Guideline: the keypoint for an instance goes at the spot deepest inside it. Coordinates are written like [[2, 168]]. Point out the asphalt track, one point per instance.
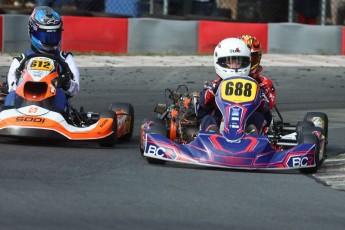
[[82, 186]]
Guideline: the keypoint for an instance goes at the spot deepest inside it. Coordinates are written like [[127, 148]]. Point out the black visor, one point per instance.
[[234, 62]]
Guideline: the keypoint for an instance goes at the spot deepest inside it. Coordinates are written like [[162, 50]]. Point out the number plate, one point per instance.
[[238, 90], [41, 64]]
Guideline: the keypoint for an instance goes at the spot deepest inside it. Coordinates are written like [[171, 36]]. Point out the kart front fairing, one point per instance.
[[212, 149], [237, 98]]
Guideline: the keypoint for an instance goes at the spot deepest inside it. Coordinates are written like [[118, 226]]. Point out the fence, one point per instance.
[[321, 12]]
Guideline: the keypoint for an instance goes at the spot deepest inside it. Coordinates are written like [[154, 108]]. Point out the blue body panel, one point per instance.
[[252, 152]]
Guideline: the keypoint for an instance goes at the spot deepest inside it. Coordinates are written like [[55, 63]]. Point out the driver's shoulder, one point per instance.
[[22, 56], [63, 54]]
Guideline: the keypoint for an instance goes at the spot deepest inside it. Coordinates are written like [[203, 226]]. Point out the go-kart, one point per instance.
[[283, 146], [35, 114]]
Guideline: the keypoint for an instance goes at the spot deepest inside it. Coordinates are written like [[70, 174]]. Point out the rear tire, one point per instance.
[[128, 109], [319, 119], [110, 140]]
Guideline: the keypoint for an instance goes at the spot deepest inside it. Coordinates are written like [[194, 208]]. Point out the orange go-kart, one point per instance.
[[34, 114]]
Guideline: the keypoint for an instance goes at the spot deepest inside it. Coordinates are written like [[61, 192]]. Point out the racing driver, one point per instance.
[[243, 61], [45, 31]]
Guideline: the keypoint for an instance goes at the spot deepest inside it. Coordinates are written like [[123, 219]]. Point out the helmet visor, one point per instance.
[[234, 62], [48, 38]]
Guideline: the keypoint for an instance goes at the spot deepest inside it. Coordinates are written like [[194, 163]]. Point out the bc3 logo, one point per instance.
[[154, 150], [298, 161]]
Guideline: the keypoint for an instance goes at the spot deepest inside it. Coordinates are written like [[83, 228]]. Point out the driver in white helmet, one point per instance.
[[232, 57], [45, 32]]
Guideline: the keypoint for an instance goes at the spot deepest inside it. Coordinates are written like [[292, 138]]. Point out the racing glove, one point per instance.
[[207, 97], [269, 91], [63, 81]]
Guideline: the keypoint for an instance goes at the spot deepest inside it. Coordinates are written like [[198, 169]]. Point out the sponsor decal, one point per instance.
[[160, 151], [30, 119], [155, 150], [103, 123], [299, 161], [235, 117], [235, 111], [237, 50], [52, 21], [32, 110]]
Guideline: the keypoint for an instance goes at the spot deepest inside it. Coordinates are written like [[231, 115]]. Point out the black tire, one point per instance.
[[303, 124], [128, 108], [159, 128], [310, 139], [110, 140], [310, 115], [311, 130], [324, 126]]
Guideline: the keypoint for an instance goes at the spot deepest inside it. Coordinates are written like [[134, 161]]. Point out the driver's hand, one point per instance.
[[63, 82]]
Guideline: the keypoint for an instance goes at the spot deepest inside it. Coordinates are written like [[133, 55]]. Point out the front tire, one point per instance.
[[308, 138], [320, 120]]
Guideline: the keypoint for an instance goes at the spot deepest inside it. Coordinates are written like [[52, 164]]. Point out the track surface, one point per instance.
[[83, 186]]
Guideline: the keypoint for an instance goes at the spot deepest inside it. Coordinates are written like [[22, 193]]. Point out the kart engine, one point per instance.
[[181, 120]]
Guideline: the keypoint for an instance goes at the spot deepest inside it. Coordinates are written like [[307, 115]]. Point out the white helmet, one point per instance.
[[232, 50]]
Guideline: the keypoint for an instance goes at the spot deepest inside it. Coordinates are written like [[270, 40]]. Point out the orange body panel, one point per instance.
[[38, 87], [37, 95], [103, 129], [173, 126]]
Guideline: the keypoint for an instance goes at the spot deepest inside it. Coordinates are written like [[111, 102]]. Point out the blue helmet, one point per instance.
[[45, 29]]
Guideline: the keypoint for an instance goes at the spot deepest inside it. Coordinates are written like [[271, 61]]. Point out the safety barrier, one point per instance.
[[88, 34], [210, 33], [161, 36]]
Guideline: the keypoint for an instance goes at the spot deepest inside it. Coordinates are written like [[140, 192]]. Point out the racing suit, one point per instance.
[[61, 94], [261, 118]]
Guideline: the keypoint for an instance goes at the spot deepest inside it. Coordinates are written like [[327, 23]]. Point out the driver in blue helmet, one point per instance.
[[45, 32]]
